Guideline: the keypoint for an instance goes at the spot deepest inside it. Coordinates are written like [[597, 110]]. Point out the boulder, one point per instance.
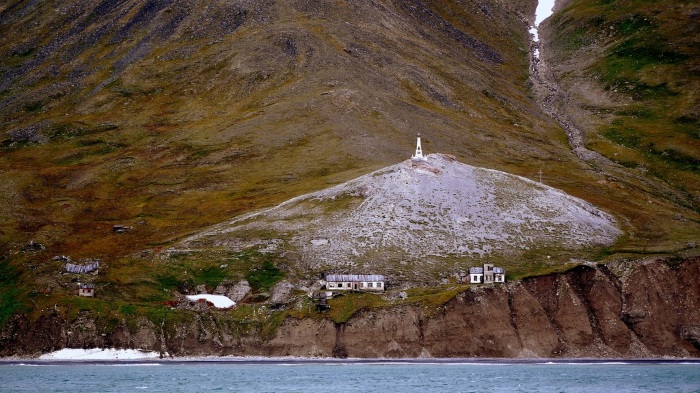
[[281, 292], [238, 291], [32, 247]]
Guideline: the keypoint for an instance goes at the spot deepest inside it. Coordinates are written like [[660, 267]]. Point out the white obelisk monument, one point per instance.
[[419, 151]]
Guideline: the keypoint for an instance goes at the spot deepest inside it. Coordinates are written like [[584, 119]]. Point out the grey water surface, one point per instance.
[[349, 376]]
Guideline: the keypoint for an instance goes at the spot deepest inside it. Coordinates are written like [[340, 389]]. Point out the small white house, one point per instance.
[[487, 274], [86, 290], [355, 282]]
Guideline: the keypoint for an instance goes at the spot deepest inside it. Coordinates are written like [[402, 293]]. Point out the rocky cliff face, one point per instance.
[[624, 309], [645, 309]]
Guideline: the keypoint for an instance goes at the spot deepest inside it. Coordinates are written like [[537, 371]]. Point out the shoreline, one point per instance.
[[359, 361]]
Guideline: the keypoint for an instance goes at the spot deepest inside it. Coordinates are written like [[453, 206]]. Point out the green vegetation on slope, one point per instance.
[[645, 55], [264, 277], [11, 291]]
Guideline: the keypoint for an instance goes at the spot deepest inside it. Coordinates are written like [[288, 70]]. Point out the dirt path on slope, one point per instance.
[[554, 101]]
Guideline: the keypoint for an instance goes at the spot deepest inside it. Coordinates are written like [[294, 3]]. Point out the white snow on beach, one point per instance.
[[99, 354], [219, 301]]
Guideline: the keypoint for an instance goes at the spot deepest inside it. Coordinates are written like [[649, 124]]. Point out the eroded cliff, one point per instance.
[[623, 309], [628, 309]]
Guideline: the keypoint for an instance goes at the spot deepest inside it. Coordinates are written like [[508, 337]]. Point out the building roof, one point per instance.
[[79, 269], [480, 270], [86, 286], [354, 277]]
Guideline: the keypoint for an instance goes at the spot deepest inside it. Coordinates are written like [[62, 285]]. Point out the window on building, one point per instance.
[[379, 285], [340, 285], [370, 285]]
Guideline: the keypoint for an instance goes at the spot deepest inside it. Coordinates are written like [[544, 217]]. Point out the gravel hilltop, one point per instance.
[[420, 211]]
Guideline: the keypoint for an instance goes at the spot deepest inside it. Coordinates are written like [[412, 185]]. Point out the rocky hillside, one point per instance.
[[171, 117], [417, 219], [621, 78]]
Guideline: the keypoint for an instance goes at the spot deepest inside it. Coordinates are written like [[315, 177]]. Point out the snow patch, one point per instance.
[[219, 301], [319, 242], [533, 31], [99, 354], [544, 11]]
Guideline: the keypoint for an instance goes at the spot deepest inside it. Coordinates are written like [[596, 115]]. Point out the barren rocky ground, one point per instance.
[[424, 215]]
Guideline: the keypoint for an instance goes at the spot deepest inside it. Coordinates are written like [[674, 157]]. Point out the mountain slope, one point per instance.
[[627, 76], [166, 118], [170, 117], [178, 116]]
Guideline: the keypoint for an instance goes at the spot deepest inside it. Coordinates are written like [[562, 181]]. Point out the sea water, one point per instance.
[[349, 376]]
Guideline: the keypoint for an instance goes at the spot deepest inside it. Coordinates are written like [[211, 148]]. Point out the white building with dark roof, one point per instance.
[[355, 282], [86, 290], [487, 274]]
